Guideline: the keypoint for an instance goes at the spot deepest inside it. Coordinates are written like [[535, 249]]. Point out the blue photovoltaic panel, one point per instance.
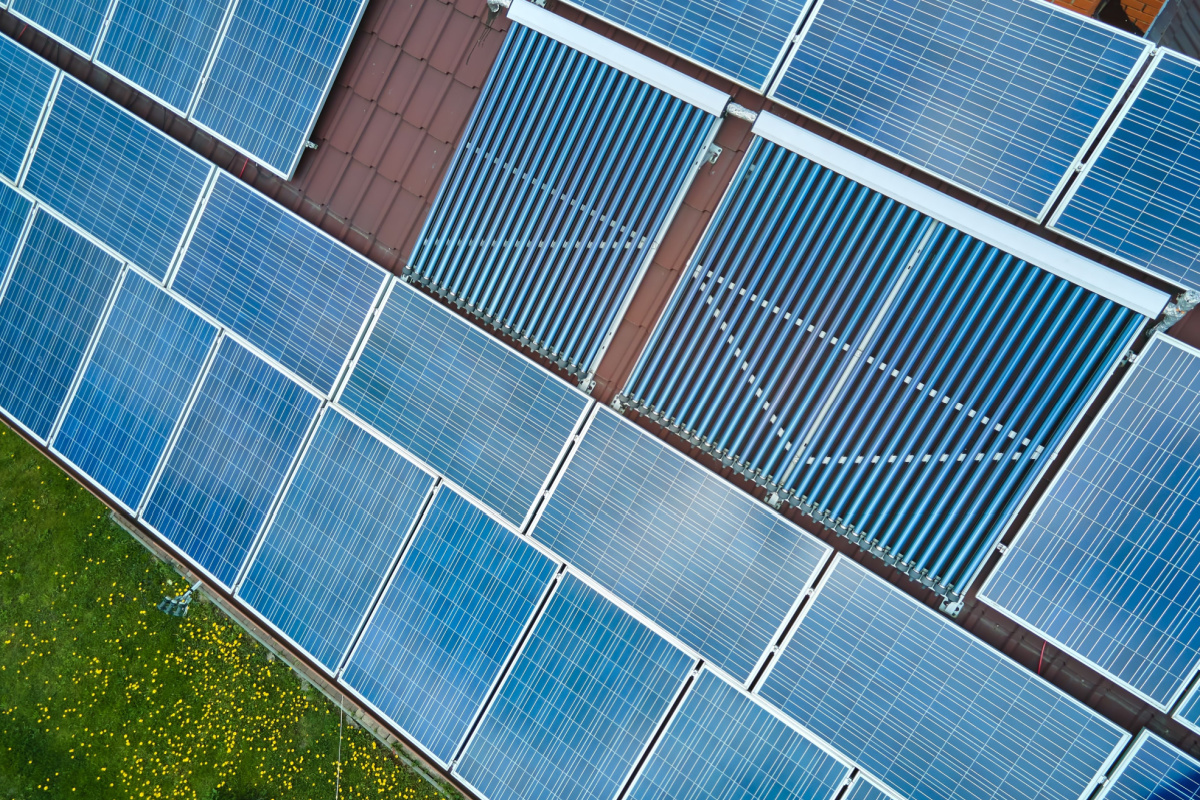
[[273, 69], [55, 297], [741, 39], [579, 705], [1189, 710], [926, 707], [14, 212], [1154, 770], [129, 185], [707, 562], [721, 744], [1108, 566], [447, 623], [478, 412], [237, 444], [147, 359], [1138, 198], [338, 531], [24, 84], [76, 22], [865, 790], [287, 287], [161, 45], [998, 96]]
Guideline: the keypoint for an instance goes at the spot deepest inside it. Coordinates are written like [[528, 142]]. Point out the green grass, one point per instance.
[[101, 696]]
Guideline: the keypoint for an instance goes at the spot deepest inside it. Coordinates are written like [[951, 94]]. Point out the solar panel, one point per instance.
[[998, 97], [1137, 197], [700, 558], [161, 46], [25, 82], [14, 214], [273, 69], [1154, 770], [863, 789], [287, 287], [57, 291], [588, 690], [129, 185], [741, 40], [1189, 709], [237, 444], [339, 529], [447, 623], [721, 743], [1108, 565], [75, 23], [928, 708], [479, 413], [146, 362]]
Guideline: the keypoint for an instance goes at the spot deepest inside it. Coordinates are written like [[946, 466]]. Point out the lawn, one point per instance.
[[103, 696]]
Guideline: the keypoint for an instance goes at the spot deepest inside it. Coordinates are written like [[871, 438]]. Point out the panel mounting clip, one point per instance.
[[310, 145], [713, 153], [951, 608]]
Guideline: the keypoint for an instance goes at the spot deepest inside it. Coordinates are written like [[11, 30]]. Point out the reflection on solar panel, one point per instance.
[[129, 185], [565, 180], [921, 439], [721, 744], [1108, 566], [76, 23], [273, 68], [742, 40], [24, 84], [999, 97], [147, 359], [59, 286], [1137, 197], [1189, 709], [447, 623], [14, 213], [579, 705], [862, 789], [477, 412], [705, 561], [288, 288], [1154, 770], [339, 529], [926, 707], [161, 45], [237, 444]]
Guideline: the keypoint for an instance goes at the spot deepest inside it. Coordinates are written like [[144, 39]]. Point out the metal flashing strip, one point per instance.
[[1022, 244], [628, 61]]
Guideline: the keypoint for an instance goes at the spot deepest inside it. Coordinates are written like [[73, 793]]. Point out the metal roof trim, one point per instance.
[[631, 62], [1081, 271]]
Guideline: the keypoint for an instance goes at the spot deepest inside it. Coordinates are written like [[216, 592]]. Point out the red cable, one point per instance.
[[244, 163], [1040, 658]]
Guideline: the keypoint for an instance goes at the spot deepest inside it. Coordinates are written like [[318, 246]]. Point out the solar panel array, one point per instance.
[[1108, 566], [345, 515], [578, 707], [999, 97], [1137, 198], [254, 73], [126, 183], [235, 448], [721, 743], [55, 295], [25, 82], [897, 378], [286, 287], [15, 209], [741, 40], [449, 620], [562, 186], [1154, 770], [926, 707], [704, 561], [147, 360], [476, 411]]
